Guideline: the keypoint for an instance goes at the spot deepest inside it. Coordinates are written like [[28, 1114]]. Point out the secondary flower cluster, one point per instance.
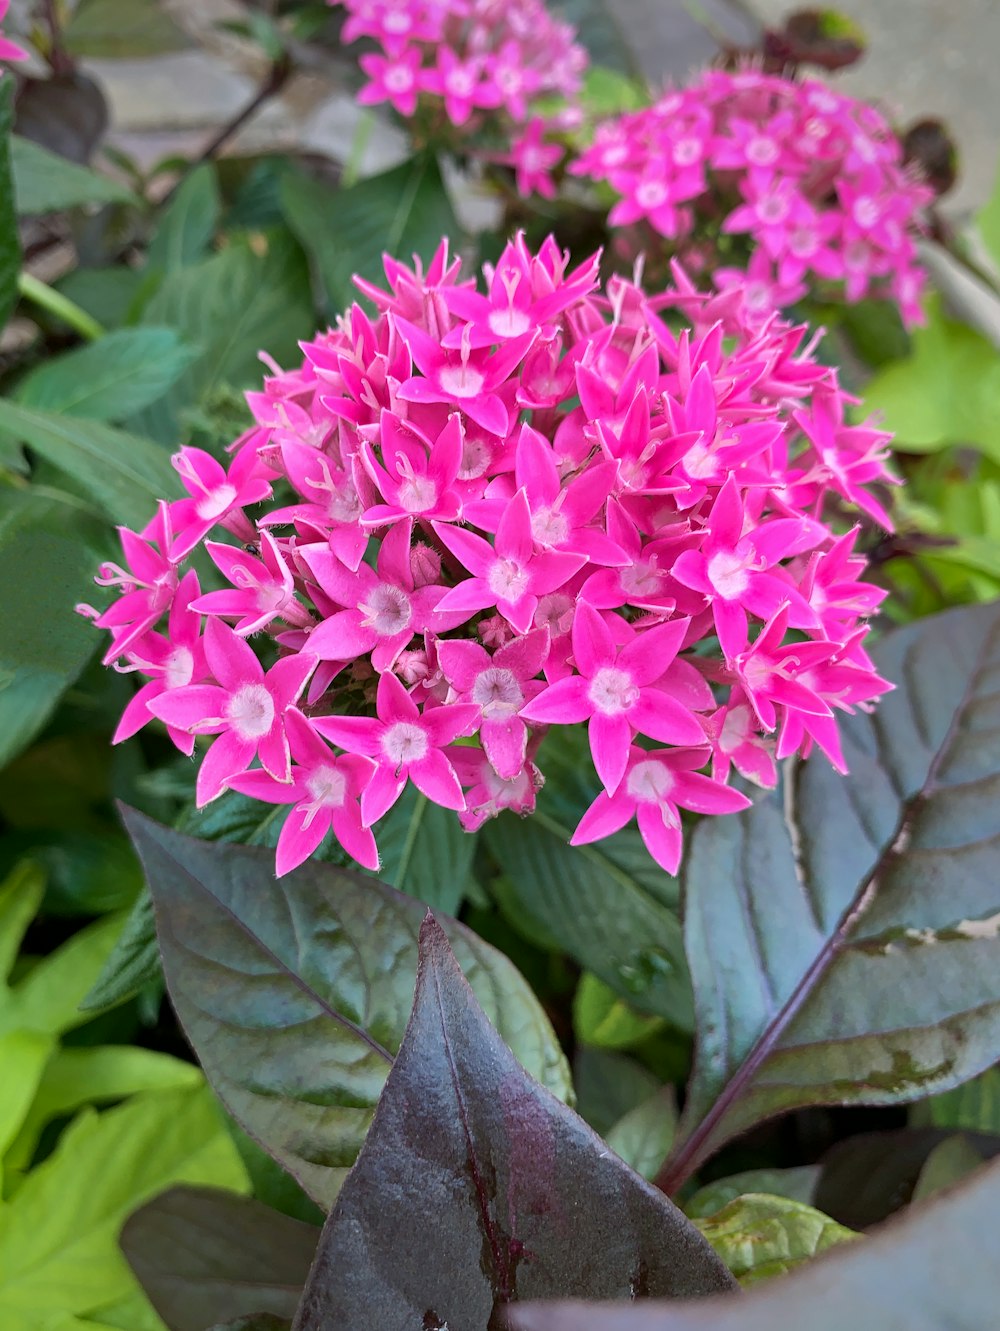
[[9, 50], [479, 514], [814, 178], [472, 63]]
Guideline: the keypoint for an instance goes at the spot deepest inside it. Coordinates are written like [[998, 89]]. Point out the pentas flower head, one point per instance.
[[518, 508], [475, 71], [814, 179]]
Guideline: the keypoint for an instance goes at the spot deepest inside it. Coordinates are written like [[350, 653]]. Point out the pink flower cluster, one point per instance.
[[481, 513], [472, 61], [814, 178], [9, 50]]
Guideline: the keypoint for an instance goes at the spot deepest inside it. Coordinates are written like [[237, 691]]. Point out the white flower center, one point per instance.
[[612, 691], [404, 743], [507, 580], [727, 572], [417, 493], [509, 321], [650, 782], [762, 151], [216, 502], [865, 211], [687, 151], [250, 711], [476, 458], [179, 668], [388, 610], [460, 82], [651, 193], [549, 527], [327, 787], [640, 579], [700, 462], [399, 78], [461, 381], [555, 613], [497, 692]]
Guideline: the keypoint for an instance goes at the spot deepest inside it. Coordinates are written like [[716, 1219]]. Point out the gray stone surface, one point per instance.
[[929, 57]]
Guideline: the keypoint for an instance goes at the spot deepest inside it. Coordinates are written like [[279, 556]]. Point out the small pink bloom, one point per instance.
[[394, 79], [217, 497], [498, 686], [263, 589], [508, 574], [615, 690], [405, 744], [324, 792], [487, 793], [245, 708], [657, 784], [172, 662], [9, 50]]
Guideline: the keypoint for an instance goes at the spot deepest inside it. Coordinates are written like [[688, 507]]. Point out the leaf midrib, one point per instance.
[[281, 966], [681, 1163]]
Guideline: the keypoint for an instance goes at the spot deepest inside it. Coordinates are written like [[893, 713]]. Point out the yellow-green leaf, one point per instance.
[[758, 1236]]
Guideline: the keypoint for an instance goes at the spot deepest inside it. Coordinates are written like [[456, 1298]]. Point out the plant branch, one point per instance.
[[47, 298], [272, 85]]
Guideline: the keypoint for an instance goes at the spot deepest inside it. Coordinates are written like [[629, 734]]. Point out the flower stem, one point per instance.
[[47, 298]]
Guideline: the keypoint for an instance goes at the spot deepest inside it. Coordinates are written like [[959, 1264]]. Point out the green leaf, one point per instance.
[[106, 294], [988, 223], [401, 212], [643, 1136], [47, 998], [23, 1055], [844, 933], [601, 1018], [934, 1269], [952, 1160], [46, 558], [424, 852], [111, 378], [132, 963], [295, 992], [10, 243], [57, 1235], [946, 392], [596, 902], [21, 894], [974, 1106], [74, 1078], [116, 29], [608, 1086], [758, 1236], [230, 306], [44, 182], [797, 1184], [189, 221], [122, 473], [609, 92]]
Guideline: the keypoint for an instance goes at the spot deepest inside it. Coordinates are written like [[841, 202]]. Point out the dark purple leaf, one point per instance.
[[865, 1178], [476, 1188], [295, 992], [935, 1269], [844, 933], [203, 1255], [66, 114]]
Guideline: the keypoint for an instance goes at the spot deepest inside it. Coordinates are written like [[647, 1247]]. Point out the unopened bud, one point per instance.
[[425, 565]]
